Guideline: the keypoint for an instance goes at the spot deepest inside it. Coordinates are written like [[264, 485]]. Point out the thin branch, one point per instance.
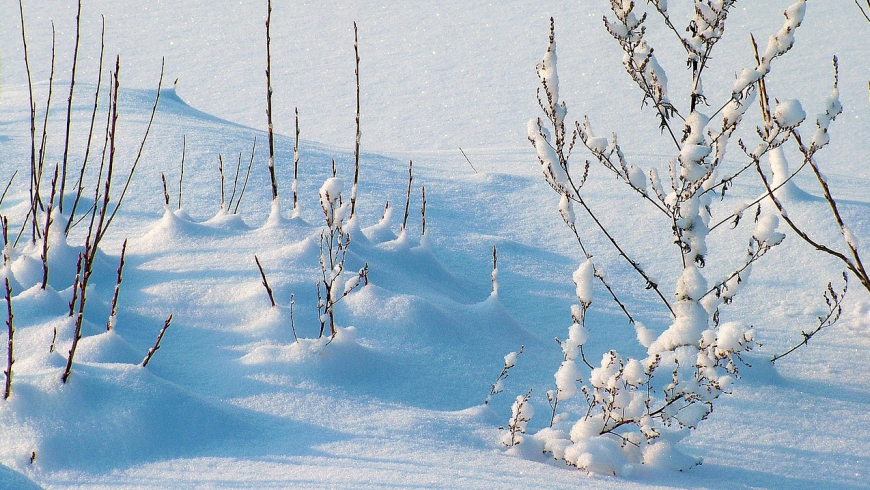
[[835, 308], [181, 175], [154, 349], [80, 184], [72, 85], [10, 357], [248, 174], [358, 134], [296, 165], [408, 193], [467, 160], [265, 282], [113, 316], [269, 103], [141, 147]]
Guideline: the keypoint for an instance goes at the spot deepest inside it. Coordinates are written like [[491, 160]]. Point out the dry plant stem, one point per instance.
[[83, 286], [296, 164], [408, 193], [598, 274], [248, 174], [5, 224], [235, 182], [269, 104], [8, 185], [72, 85], [358, 134], [292, 320], [855, 267], [80, 185], [40, 164], [10, 328], [221, 171], [154, 349], [423, 212], [75, 289], [181, 175], [48, 222], [141, 146], [494, 388], [467, 160], [33, 182], [650, 284], [101, 212], [265, 282], [864, 12], [165, 190], [320, 306], [835, 308], [494, 270], [113, 315]]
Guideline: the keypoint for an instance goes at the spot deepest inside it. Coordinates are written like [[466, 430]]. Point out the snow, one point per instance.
[[233, 400]]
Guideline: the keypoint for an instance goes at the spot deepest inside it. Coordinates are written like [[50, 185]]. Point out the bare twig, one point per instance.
[[408, 193], [154, 349], [181, 175], [296, 166], [80, 185], [8, 185], [48, 221], [221, 171], [10, 357], [467, 160], [165, 189], [494, 274], [497, 386], [141, 146], [423, 212], [113, 315], [235, 182], [292, 320], [265, 282], [835, 308], [269, 103], [34, 196], [72, 85], [9, 324], [864, 12], [358, 134], [248, 174]]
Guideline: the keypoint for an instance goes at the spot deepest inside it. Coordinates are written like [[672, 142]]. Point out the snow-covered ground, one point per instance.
[[396, 399]]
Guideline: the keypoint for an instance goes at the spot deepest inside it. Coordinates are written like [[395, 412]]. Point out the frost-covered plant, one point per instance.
[[636, 408], [521, 413], [510, 360], [787, 118], [334, 241]]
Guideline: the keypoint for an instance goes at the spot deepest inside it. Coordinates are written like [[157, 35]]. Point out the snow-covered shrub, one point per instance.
[[638, 408], [334, 242]]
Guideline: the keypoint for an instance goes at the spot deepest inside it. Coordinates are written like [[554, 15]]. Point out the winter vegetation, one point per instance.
[[368, 298]]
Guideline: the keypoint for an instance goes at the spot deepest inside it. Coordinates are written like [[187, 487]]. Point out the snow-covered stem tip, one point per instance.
[[510, 361], [521, 413]]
